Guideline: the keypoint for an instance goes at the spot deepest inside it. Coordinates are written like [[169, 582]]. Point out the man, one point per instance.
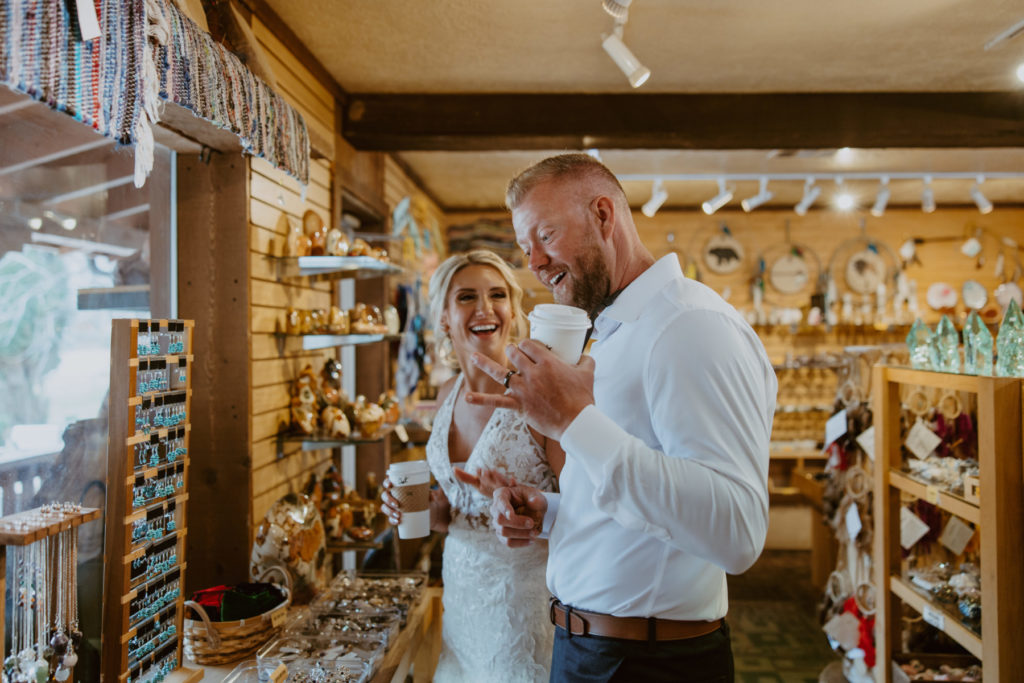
[[665, 428]]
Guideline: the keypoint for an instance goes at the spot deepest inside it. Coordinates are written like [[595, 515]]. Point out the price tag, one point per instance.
[[853, 523], [934, 617], [279, 674], [931, 494], [835, 427], [956, 535], [912, 529], [921, 441], [844, 629], [278, 618], [866, 441], [88, 21]]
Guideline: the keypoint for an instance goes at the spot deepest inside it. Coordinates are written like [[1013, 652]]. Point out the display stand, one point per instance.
[[147, 451], [999, 517]]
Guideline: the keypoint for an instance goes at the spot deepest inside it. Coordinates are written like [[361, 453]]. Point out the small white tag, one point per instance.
[[835, 427], [922, 441], [402, 435], [912, 529], [956, 535], [88, 22], [844, 629], [853, 523], [278, 618], [922, 583], [866, 440], [898, 674], [934, 617]]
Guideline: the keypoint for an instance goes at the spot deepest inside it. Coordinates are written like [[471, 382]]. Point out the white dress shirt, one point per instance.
[[664, 488]]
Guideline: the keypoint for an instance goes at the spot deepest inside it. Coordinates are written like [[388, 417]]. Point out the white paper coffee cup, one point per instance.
[[411, 488], [562, 329]]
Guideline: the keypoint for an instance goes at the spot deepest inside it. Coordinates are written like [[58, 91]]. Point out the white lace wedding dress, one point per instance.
[[496, 625]]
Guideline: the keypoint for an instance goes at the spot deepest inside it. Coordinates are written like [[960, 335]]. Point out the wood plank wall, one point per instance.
[[275, 202]]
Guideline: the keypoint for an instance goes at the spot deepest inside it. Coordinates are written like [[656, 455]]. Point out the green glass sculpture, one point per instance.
[[944, 347], [1010, 343], [918, 343], [977, 346]]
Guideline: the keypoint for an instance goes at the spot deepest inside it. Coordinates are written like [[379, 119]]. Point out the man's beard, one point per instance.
[[594, 284]]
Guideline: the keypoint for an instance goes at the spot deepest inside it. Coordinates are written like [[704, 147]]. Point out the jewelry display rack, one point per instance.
[[147, 449], [27, 528], [997, 513]]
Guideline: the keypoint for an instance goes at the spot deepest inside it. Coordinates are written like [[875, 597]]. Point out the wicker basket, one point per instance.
[[220, 642]]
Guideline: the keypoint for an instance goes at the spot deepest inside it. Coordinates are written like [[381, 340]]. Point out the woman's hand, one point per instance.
[[485, 481], [440, 509]]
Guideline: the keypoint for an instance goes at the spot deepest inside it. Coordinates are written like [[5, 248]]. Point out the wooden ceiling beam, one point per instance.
[[666, 121]]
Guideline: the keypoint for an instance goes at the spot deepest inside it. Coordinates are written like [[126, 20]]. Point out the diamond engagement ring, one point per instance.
[[508, 377]]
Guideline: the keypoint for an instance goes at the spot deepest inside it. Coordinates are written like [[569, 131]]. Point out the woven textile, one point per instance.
[[98, 82], [199, 74], [147, 52]]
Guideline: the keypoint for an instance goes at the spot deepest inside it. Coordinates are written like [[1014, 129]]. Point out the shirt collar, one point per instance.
[[633, 299]]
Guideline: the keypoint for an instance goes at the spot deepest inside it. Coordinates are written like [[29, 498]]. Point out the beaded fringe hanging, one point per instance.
[[147, 52]]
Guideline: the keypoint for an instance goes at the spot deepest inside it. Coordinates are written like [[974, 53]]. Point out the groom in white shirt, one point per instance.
[[665, 427]]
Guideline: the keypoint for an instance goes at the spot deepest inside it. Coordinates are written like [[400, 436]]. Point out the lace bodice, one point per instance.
[[505, 444], [496, 625]]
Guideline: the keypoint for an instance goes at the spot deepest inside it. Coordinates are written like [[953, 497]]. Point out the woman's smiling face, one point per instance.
[[478, 311]]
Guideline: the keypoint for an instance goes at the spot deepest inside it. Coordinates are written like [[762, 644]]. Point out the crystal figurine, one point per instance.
[[977, 346], [918, 343], [1010, 343], [944, 347]]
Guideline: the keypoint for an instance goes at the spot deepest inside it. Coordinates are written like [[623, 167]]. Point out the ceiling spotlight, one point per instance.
[[927, 196], [658, 197], [811, 192], [845, 201], [68, 223], [723, 197], [763, 195], [1020, 72], [35, 222], [617, 8], [65, 221], [636, 72], [980, 200], [882, 198], [594, 153], [844, 155]]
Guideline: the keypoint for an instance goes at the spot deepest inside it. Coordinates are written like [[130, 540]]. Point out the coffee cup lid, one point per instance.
[[568, 316], [409, 467]]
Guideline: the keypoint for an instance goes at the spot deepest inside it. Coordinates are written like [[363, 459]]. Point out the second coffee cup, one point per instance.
[[563, 329]]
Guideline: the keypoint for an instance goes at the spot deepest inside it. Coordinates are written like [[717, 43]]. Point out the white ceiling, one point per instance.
[[691, 46]]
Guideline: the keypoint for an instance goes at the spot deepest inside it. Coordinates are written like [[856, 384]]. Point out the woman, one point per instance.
[[496, 624]]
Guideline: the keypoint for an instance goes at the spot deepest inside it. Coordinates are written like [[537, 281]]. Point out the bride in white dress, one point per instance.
[[496, 625]]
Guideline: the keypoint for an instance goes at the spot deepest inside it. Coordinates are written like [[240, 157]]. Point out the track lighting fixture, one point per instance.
[[844, 201], [35, 223], [658, 197], [882, 198], [617, 8], [927, 196], [811, 192], [762, 196], [66, 222], [636, 72], [723, 197], [980, 200]]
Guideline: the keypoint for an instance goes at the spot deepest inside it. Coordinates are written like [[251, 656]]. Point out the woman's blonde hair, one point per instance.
[[441, 282]]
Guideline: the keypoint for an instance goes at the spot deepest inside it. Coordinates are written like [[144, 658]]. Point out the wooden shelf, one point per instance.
[[937, 615], [998, 519], [125, 297], [309, 442], [340, 266], [946, 500], [311, 342], [37, 528]]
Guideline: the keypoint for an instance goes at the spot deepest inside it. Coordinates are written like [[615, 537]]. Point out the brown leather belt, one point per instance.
[[582, 623]]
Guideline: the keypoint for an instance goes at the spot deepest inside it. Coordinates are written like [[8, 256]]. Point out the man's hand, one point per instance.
[[486, 481], [517, 513], [549, 392]]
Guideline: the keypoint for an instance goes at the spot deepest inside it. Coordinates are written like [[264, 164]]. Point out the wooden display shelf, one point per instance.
[[999, 517], [312, 342], [312, 442], [936, 615], [948, 501], [340, 266], [37, 529]]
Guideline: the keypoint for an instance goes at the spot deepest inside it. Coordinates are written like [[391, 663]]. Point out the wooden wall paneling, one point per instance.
[[213, 289], [361, 174]]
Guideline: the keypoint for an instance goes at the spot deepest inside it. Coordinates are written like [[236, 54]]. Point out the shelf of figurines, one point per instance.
[[311, 342], [359, 267], [944, 617], [320, 440]]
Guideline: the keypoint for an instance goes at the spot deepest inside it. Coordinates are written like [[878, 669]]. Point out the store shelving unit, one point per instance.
[[339, 266], [312, 442], [311, 342], [147, 470], [999, 517]]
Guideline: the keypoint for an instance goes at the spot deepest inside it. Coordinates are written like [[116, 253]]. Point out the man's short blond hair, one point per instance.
[[564, 167]]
